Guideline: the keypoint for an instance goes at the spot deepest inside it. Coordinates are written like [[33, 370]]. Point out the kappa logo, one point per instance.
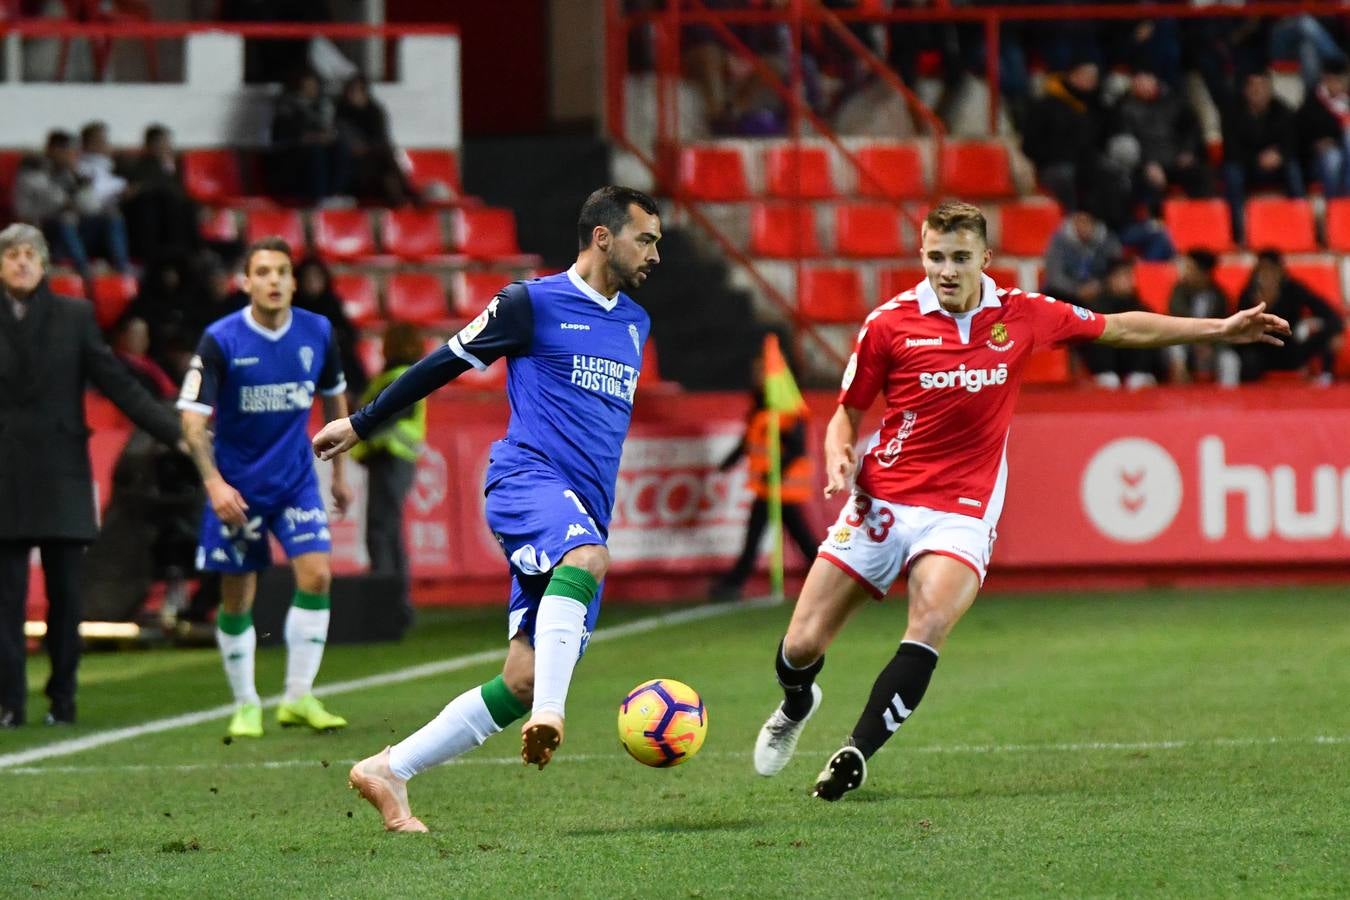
[[576, 529], [923, 342], [219, 555], [574, 326], [241, 360]]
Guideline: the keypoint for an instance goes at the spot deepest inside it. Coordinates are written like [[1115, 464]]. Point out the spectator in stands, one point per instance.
[[1159, 140], [1066, 137], [313, 160], [50, 193], [1304, 38], [364, 124], [1323, 125], [130, 342], [1260, 145], [390, 456], [161, 217], [1196, 295], [96, 166], [314, 292], [1317, 325], [1080, 252], [1112, 367]]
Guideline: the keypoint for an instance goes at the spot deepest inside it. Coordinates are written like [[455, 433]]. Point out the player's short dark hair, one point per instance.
[[608, 206], [955, 215], [1271, 256], [154, 132], [268, 243], [90, 130], [1204, 260]]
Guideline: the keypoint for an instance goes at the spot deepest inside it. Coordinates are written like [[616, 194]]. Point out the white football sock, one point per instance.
[[558, 627], [463, 725], [306, 633], [237, 652]]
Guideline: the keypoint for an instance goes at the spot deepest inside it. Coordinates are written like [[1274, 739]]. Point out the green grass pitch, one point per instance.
[[1113, 744]]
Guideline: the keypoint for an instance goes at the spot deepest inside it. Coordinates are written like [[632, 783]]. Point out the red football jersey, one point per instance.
[[950, 383]]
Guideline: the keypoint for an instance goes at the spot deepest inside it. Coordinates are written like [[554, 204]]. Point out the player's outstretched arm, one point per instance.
[[1145, 329], [228, 504], [840, 460], [335, 409], [335, 438]]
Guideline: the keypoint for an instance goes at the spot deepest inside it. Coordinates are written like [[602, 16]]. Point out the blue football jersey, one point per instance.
[[573, 358], [260, 385]]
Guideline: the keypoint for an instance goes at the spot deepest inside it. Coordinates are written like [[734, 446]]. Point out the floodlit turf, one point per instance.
[[1108, 745]]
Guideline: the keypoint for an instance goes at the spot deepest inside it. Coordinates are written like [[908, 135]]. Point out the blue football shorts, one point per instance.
[[537, 519], [300, 525]]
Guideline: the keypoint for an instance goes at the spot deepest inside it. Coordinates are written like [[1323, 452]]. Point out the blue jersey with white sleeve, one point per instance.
[[573, 358], [260, 385]]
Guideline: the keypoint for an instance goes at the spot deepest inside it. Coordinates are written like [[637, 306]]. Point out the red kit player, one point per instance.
[[948, 357]]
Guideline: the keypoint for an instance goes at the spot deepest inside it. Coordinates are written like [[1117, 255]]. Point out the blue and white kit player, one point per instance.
[[256, 373], [573, 345]]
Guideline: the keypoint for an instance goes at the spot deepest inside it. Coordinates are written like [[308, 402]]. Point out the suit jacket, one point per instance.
[[46, 361]]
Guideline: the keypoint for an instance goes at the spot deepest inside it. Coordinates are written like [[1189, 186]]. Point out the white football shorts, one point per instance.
[[875, 542]]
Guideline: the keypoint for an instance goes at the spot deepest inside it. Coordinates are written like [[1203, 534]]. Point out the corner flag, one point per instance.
[[780, 396]]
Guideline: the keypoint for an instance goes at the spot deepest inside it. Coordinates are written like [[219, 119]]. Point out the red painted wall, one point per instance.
[[504, 48]]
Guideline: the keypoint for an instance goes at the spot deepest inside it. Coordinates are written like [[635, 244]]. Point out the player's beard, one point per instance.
[[626, 277]]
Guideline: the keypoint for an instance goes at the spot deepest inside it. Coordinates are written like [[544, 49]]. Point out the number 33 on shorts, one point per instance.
[[874, 541]]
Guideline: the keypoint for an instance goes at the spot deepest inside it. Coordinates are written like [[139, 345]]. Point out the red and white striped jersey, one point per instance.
[[950, 383]]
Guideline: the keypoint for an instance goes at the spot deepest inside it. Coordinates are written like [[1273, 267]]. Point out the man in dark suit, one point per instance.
[[50, 348]]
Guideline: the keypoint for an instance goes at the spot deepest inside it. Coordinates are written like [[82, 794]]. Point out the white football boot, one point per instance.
[[778, 738]]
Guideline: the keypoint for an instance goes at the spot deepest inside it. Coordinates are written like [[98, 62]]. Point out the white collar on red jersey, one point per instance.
[[928, 300]]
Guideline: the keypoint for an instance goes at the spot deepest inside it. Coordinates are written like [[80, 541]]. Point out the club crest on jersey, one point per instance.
[[637, 341], [307, 357], [998, 338], [842, 535]]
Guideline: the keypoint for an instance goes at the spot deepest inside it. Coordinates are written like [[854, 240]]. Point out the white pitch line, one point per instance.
[[426, 670], [1093, 746]]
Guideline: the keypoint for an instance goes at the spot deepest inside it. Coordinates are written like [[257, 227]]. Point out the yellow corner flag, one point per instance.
[[780, 391], [780, 396]]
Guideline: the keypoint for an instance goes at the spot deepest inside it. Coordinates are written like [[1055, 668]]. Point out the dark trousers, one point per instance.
[[389, 479], [794, 522], [61, 573]]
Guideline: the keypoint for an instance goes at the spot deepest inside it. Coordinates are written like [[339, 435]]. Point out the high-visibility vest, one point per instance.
[[797, 473], [403, 436]]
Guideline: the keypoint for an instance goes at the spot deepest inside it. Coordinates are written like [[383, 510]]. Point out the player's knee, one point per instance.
[[594, 558], [931, 619], [802, 645]]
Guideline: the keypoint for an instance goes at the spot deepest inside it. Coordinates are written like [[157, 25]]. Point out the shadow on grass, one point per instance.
[[672, 826]]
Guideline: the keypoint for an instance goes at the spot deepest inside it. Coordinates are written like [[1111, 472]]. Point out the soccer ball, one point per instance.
[[662, 722]]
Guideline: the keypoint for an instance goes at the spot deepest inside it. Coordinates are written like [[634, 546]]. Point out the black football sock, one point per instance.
[[895, 694], [796, 685]]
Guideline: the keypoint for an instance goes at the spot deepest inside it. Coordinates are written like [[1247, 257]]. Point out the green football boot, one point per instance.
[[247, 721], [308, 711]]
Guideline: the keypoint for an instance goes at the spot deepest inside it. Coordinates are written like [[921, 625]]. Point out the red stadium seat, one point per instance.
[[867, 230], [784, 231], [413, 234], [417, 297], [283, 223], [212, 176], [112, 295], [360, 298], [1232, 277], [220, 225], [1280, 223], [101, 414], [832, 295], [342, 234], [712, 173], [435, 174], [486, 232], [1338, 226], [1198, 224], [473, 291], [898, 279], [370, 352], [798, 173], [9, 169], [494, 379], [1322, 277], [1026, 226], [1154, 281], [977, 169], [1048, 366], [1004, 276], [891, 172], [66, 284]]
